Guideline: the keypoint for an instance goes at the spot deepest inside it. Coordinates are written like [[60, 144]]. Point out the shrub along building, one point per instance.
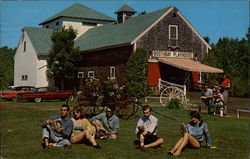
[[174, 47]]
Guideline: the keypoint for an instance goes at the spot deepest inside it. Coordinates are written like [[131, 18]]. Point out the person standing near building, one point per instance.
[[207, 97], [147, 130], [225, 84]]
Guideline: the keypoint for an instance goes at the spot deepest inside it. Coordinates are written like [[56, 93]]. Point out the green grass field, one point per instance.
[[21, 136]]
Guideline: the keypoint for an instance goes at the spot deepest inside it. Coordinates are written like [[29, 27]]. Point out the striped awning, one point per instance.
[[189, 65]]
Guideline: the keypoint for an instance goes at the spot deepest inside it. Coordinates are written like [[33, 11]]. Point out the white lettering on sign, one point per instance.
[[162, 53]]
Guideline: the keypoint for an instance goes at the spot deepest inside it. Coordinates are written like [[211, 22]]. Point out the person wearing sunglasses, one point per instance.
[[107, 124]]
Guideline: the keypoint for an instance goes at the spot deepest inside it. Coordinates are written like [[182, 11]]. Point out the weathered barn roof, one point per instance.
[[79, 11], [106, 36], [40, 39], [110, 35], [113, 35], [125, 8]]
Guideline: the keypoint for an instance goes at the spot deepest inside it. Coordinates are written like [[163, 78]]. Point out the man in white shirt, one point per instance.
[[146, 130]]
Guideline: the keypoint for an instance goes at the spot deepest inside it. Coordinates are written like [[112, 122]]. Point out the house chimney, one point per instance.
[[124, 13]]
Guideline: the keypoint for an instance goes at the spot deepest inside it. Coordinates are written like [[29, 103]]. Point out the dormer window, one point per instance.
[[173, 32]]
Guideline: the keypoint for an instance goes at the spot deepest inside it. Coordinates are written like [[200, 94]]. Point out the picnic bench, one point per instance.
[[241, 110]]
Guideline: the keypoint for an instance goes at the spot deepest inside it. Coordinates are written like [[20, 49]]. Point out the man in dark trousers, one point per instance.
[[207, 98], [147, 130]]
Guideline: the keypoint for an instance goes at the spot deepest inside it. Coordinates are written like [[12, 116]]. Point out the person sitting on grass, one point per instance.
[[193, 134], [107, 124], [218, 100], [82, 129], [57, 129], [147, 129]]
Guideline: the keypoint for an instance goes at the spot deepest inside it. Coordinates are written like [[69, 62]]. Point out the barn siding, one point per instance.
[[100, 62], [157, 38]]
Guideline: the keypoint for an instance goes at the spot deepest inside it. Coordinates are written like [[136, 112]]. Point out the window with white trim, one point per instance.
[[24, 46], [91, 74], [24, 77], [112, 72], [80, 75], [173, 32]]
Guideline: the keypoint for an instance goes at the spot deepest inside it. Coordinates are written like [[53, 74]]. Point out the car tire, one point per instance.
[[14, 99], [71, 98], [38, 100]]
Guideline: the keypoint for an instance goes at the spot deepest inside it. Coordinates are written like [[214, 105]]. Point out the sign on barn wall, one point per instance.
[[162, 53]]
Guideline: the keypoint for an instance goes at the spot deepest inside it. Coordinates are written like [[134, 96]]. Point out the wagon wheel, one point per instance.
[[71, 97], [98, 107], [170, 93], [87, 110], [84, 103], [125, 106], [137, 105]]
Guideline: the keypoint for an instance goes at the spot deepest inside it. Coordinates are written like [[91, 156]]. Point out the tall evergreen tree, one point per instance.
[[6, 67], [233, 56], [63, 57], [136, 75]]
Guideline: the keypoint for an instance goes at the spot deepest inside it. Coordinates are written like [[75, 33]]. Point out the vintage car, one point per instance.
[[47, 93], [11, 93]]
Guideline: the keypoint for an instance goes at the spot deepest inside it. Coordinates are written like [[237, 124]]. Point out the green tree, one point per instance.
[[6, 66], [136, 74], [233, 56], [63, 57]]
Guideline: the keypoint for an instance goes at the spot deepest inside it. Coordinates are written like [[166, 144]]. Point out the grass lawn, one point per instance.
[[21, 136]]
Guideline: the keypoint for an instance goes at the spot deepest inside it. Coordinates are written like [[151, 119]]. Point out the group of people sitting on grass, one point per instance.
[[106, 126]]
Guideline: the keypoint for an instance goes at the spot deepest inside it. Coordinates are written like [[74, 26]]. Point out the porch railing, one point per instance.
[[163, 84]]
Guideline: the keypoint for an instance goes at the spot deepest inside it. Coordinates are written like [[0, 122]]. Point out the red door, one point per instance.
[[153, 74]]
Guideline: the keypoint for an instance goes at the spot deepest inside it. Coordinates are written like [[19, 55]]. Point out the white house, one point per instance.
[[30, 60]]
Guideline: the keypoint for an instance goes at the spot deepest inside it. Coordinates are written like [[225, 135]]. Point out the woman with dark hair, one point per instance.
[[82, 129], [193, 134]]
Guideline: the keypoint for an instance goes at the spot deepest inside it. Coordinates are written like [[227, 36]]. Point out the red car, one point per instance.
[[47, 93], [11, 92]]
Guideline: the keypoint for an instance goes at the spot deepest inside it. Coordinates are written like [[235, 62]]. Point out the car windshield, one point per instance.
[[34, 89], [41, 89]]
